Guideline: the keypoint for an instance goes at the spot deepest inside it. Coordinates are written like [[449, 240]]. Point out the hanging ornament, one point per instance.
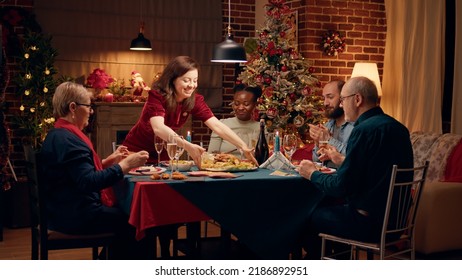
[[28, 76], [272, 112], [299, 121], [45, 89], [34, 48], [32, 110], [21, 108], [26, 56], [47, 71], [26, 92]]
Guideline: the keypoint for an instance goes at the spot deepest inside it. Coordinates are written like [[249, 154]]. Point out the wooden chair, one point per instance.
[[397, 235], [43, 239]]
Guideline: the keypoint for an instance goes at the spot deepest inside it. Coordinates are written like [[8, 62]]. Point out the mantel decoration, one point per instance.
[[291, 96], [332, 43], [109, 89]]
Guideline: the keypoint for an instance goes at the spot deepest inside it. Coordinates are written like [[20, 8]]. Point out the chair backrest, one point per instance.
[[403, 199], [30, 155]]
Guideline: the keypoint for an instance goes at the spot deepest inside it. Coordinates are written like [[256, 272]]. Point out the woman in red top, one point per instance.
[[170, 102]]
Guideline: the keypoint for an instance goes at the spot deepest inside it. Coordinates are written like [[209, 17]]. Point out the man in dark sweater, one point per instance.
[[377, 142]]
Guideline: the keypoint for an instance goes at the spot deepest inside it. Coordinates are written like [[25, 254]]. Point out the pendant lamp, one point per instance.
[[229, 51], [140, 43]]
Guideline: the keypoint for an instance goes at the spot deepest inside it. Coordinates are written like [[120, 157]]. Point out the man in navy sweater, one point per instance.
[[376, 143]]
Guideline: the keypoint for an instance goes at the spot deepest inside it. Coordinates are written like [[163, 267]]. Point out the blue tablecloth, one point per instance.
[[266, 213]]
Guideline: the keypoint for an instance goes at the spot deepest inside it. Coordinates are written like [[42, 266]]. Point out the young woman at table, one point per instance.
[[170, 102], [244, 103], [74, 175]]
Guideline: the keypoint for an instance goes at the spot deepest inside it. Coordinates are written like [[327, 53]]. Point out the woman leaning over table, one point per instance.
[[170, 102], [74, 175]]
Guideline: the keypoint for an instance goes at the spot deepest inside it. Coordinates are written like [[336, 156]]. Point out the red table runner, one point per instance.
[[156, 204]]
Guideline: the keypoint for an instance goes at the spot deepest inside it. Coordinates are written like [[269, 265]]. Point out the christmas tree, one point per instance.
[[291, 93], [36, 86]]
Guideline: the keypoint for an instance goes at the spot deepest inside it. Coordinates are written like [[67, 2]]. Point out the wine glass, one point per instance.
[[171, 150], [323, 141], [179, 140], [159, 145], [270, 141], [289, 144], [245, 137]]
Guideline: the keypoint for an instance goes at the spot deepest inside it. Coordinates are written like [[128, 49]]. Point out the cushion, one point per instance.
[[453, 172], [439, 154]]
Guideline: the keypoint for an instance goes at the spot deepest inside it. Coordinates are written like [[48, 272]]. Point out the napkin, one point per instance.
[[277, 161]]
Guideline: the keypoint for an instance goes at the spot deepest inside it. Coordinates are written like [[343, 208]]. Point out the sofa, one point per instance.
[[439, 216]]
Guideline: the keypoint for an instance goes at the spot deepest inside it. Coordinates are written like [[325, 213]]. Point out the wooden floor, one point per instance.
[[16, 245]]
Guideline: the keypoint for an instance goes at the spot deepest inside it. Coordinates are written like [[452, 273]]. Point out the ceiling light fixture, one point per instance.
[[229, 51], [140, 43]]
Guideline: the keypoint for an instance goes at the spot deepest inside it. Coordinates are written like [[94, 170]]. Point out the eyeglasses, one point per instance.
[[90, 106], [345, 97]]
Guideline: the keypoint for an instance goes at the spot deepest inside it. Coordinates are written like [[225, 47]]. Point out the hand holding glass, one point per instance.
[[323, 141]]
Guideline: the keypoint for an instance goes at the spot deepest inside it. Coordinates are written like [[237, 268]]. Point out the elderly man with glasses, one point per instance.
[[376, 143]]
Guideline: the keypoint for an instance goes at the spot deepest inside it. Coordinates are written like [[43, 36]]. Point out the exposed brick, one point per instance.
[[355, 20], [370, 50], [354, 49], [361, 27], [362, 13], [339, 19], [338, 63], [362, 42], [330, 11], [370, 35], [363, 57]]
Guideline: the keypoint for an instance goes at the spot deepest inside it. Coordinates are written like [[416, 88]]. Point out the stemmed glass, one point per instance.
[[270, 140], [171, 150], [159, 145], [323, 141], [179, 148], [290, 145]]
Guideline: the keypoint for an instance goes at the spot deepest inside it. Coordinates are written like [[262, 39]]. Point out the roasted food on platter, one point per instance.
[[224, 162]]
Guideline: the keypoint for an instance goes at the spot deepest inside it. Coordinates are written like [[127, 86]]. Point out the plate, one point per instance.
[[327, 170], [146, 170], [231, 169]]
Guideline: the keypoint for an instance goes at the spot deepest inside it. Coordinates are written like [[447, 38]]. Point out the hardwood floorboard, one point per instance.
[[16, 245]]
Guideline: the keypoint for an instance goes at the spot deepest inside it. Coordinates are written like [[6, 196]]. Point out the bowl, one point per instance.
[[184, 165]]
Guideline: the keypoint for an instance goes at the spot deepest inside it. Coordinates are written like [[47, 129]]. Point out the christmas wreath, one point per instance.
[[332, 43]]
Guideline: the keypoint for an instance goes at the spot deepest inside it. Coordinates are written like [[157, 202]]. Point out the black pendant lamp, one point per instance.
[[140, 43], [229, 51]]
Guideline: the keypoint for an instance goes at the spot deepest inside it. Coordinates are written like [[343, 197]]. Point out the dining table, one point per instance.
[[267, 213]]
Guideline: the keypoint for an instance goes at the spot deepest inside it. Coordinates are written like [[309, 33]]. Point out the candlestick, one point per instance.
[[276, 142]]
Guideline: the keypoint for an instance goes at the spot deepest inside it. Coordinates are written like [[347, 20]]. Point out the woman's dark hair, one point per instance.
[[179, 66], [256, 90]]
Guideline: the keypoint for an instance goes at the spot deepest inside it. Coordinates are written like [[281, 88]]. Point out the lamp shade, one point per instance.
[[370, 71], [229, 51], [140, 43]]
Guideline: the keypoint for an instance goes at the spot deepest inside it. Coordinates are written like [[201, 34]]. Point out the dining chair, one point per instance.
[[43, 239], [397, 235]]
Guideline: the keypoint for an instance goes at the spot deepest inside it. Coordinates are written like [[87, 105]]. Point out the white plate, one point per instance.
[[147, 170]]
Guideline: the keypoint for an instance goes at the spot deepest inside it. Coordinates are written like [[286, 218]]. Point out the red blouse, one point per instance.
[[141, 136]]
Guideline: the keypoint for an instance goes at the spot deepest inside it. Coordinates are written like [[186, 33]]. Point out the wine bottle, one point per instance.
[[261, 149]]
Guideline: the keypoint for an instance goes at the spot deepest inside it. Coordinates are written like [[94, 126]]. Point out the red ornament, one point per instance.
[[311, 69], [283, 68], [282, 34], [268, 80], [309, 114]]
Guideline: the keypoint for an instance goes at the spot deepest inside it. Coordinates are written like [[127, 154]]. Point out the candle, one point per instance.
[[109, 97], [276, 142], [188, 136]]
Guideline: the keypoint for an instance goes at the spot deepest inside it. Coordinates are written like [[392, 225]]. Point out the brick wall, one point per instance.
[[361, 21]]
